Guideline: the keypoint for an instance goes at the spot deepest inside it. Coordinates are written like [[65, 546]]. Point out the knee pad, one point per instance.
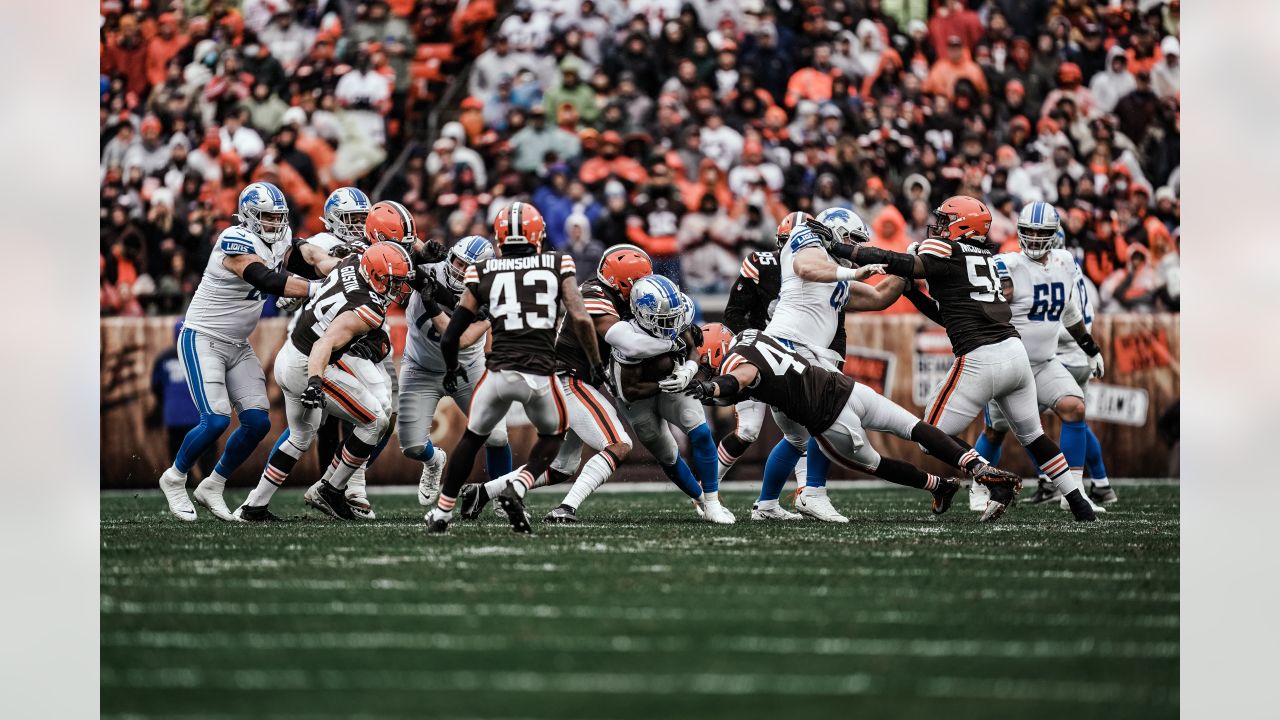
[[1026, 438], [647, 428], [371, 433], [217, 423], [498, 437], [664, 449], [256, 421], [747, 434]]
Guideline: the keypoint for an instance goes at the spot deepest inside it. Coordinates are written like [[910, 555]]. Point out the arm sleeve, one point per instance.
[[271, 282], [742, 298], [628, 342], [925, 304]]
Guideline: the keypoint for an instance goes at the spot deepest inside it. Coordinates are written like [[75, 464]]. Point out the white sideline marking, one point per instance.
[[648, 487]]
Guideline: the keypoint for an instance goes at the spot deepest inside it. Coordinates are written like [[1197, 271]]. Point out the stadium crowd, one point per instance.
[[686, 128]]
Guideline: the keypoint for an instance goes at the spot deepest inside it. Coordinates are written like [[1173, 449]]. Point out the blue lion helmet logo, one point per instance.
[[251, 197], [648, 302], [333, 201], [836, 214]]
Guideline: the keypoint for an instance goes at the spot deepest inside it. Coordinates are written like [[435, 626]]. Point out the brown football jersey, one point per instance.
[[344, 289], [808, 394], [599, 300], [963, 279], [522, 296]]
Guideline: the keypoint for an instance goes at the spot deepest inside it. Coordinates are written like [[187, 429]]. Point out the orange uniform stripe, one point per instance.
[[559, 401], [953, 380], [347, 401], [476, 391], [597, 413]]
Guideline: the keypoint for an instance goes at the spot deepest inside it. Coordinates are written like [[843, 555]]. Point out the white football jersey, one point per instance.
[[325, 241], [1044, 299], [807, 312], [225, 306], [422, 342], [1069, 351]]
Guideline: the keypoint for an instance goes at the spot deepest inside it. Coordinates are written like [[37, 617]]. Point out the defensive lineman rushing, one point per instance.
[[222, 371], [522, 288], [1043, 288], [991, 363]]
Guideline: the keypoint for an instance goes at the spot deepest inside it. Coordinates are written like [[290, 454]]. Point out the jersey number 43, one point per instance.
[[505, 305]]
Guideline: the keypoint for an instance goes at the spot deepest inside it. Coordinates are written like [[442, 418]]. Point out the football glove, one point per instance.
[[679, 378], [824, 233], [340, 250], [600, 377], [289, 304], [374, 346], [1096, 366], [451, 378], [313, 396], [702, 390]]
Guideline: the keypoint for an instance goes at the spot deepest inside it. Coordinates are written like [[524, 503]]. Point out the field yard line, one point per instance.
[[648, 487], [710, 684], [468, 642], [111, 606]]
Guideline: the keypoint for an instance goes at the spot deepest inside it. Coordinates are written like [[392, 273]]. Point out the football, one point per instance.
[[657, 368]]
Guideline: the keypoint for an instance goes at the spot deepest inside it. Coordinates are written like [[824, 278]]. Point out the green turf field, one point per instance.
[[644, 613]]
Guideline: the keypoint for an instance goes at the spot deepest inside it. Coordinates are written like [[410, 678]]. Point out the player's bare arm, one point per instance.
[[253, 270], [317, 257], [582, 324], [727, 387], [865, 298], [813, 264], [344, 328]]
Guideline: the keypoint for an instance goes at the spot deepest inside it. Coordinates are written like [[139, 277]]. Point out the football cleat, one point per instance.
[[561, 514], [943, 495], [814, 503], [1000, 498], [1102, 495], [1045, 491], [472, 500], [174, 487], [208, 494], [361, 509], [249, 513], [715, 512], [437, 522], [513, 504], [1066, 505], [328, 500], [777, 513], [979, 494], [987, 475], [429, 482]]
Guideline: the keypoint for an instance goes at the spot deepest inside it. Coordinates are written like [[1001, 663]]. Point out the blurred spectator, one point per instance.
[[172, 407], [1164, 75]]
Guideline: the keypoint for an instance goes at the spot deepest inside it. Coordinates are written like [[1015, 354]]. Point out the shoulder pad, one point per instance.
[[936, 247], [803, 237], [237, 241]]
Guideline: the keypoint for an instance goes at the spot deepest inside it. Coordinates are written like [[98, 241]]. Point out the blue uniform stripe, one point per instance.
[[473, 250], [195, 381]]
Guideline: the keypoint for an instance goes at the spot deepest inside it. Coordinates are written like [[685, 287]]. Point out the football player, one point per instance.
[[522, 289], [833, 409], [345, 320], [991, 363], [664, 315], [1045, 289], [751, 303], [422, 368], [222, 371], [815, 292]]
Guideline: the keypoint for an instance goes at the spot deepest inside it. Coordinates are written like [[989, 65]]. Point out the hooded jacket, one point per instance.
[[889, 232], [1109, 86]]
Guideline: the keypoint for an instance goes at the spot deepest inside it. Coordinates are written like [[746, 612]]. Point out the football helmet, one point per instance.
[[716, 339], [466, 252], [1059, 241], [789, 223], [386, 267], [659, 306], [621, 266], [345, 212], [263, 211], [845, 224], [519, 225], [1038, 223], [960, 217], [389, 221]]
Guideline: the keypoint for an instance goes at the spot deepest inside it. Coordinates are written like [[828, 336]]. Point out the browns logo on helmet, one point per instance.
[[789, 223], [960, 218], [389, 221], [621, 266], [517, 226]]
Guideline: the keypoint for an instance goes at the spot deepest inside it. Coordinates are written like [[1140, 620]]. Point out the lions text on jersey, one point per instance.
[[807, 312], [1044, 299], [225, 306]]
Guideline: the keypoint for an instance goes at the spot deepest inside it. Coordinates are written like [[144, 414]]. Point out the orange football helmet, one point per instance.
[[716, 339], [961, 217], [386, 266], [621, 266], [519, 224], [389, 221], [789, 223]]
